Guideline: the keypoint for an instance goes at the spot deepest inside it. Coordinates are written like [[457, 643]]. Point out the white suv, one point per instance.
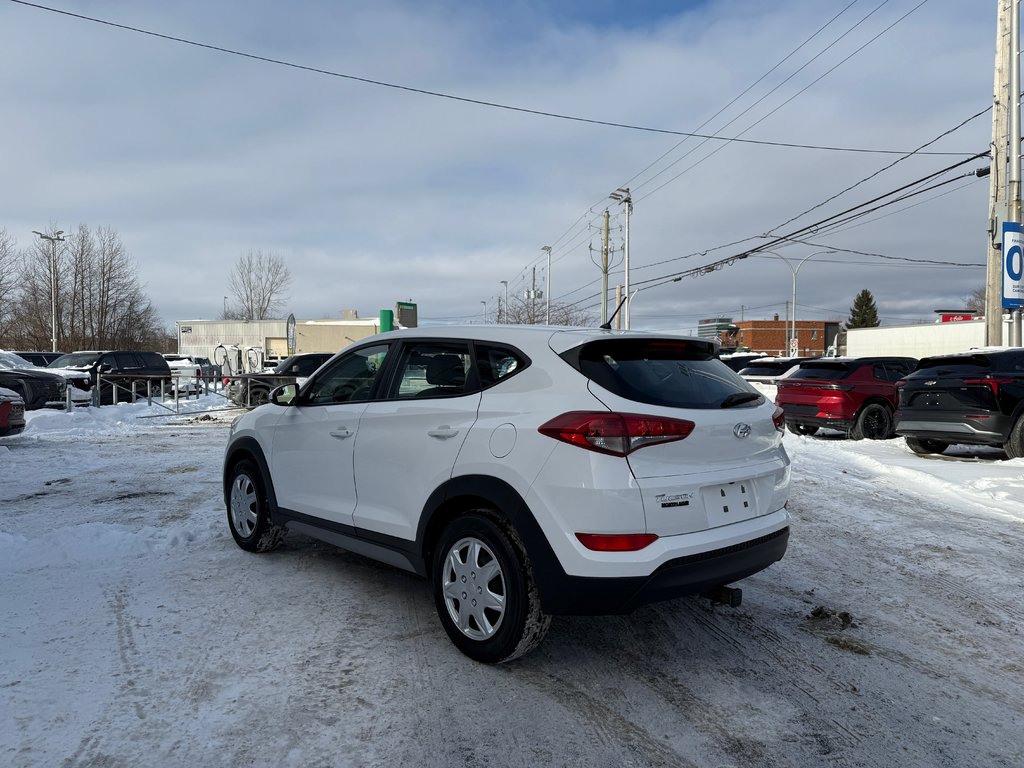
[[526, 471]]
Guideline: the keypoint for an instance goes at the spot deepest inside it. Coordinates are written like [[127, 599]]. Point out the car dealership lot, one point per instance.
[[137, 633]]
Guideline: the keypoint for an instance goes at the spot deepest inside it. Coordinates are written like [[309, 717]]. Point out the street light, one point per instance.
[[621, 195], [793, 335], [547, 296], [54, 239], [505, 283]]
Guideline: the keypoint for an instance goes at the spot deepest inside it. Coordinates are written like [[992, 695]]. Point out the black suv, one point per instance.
[[255, 389], [120, 373], [975, 398]]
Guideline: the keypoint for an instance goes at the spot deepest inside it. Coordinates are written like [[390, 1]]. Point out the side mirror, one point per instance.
[[106, 368], [284, 395]]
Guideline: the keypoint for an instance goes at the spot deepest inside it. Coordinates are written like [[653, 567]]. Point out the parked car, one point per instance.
[[768, 370], [40, 359], [189, 374], [975, 398], [37, 387], [737, 361], [119, 373], [254, 390], [526, 471], [12, 412], [856, 395]]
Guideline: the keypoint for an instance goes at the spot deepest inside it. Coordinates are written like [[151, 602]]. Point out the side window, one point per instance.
[[432, 369], [309, 364], [496, 363], [124, 361], [349, 379]]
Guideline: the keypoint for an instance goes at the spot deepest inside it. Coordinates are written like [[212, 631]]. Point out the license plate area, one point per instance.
[[730, 503]]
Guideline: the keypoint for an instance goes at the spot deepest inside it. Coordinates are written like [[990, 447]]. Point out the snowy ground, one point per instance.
[[135, 633]]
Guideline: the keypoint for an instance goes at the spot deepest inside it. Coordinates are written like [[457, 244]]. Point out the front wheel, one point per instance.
[[924, 447], [484, 589], [248, 513], [874, 422]]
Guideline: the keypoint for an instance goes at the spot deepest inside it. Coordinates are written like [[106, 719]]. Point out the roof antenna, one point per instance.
[[608, 325]]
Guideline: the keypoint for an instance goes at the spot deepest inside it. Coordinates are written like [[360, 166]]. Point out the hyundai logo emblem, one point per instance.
[[741, 430]]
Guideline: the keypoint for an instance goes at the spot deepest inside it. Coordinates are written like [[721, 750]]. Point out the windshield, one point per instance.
[[75, 360], [10, 360]]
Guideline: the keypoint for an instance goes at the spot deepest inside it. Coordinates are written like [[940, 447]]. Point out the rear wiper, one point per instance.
[[739, 398]]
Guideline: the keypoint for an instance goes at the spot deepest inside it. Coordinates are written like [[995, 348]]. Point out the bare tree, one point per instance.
[[8, 281], [524, 312], [975, 299], [259, 284], [100, 301]]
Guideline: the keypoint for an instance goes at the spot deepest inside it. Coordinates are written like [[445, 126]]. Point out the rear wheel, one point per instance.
[[874, 422], [801, 429], [1014, 446], [248, 512], [484, 589], [923, 446]]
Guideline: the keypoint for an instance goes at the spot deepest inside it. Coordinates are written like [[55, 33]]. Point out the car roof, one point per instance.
[[559, 338]]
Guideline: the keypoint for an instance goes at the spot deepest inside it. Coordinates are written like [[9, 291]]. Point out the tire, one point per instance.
[[1014, 445], [248, 512], [924, 447], [258, 396], [481, 553], [801, 429], [874, 422]]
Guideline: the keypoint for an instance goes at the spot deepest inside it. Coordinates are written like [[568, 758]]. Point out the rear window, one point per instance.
[[828, 371], [668, 372], [969, 364]]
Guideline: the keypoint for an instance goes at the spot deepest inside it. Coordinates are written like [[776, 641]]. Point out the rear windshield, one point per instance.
[[829, 371], [968, 364], [669, 372]]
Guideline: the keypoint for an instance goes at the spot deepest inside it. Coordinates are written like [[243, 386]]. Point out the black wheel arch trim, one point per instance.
[[250, 448], [466, 492]]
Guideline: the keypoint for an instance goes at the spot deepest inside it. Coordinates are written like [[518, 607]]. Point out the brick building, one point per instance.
[[769, 336]]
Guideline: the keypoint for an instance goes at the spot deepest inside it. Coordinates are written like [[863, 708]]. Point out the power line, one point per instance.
[[463, 99]]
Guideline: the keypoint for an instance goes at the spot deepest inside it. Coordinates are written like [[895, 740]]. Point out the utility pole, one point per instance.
[[56, 237], [621, 195], [547, 295], [533, 297], [1014, 91], [505, 284], [998, 207], [604, 271]]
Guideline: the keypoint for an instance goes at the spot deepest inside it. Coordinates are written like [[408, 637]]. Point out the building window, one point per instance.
[[814, 335]]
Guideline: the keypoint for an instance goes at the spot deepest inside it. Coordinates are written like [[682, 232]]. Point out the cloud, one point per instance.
[[375, 195]]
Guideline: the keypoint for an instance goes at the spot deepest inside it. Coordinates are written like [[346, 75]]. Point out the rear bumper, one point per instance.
[[842, 425], [993, 429], [689, 575]]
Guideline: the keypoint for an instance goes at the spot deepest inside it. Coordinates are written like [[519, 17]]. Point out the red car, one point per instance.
[[12, 412], [853, 395]]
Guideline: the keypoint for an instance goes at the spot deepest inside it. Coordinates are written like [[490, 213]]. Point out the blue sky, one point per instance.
[[374, 195]]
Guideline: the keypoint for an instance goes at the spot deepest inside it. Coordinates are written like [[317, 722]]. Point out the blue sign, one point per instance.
[[1013, 265]]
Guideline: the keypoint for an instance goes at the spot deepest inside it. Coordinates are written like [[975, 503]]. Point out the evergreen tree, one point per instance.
[[863, 313]]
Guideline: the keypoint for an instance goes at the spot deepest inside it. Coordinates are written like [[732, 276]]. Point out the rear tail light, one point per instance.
[[993, 383], [779, 419], [617, 434], [616, 542]]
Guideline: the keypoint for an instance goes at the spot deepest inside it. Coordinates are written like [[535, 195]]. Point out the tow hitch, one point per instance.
[[731, 596]]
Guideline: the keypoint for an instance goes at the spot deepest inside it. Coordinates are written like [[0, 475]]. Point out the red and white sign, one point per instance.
[[954, 318]]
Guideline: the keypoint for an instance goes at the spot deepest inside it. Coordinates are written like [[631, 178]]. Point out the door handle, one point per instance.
[[342, 432], [443, 432]]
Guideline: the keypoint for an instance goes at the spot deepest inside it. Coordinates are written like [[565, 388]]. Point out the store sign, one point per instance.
[[951, 318], [1013, 265]]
